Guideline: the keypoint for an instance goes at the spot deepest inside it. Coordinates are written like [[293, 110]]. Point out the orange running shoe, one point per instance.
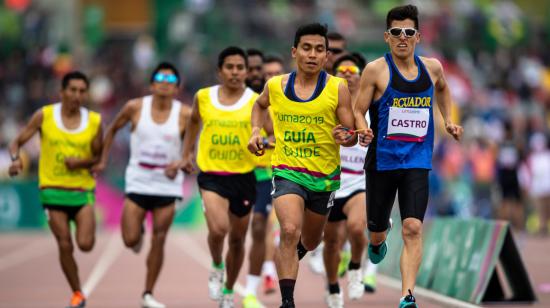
[[78, 300], [269, 285]]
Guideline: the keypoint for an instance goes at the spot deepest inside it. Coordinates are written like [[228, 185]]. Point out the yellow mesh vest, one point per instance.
[[306, 152], [225, 133], [57, 143]]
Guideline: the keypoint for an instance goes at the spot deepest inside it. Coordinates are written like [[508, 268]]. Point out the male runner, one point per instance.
[[70, 143], [398, 91], [153, 179], [336, 47], [307, 105], [255, 78], [226, 179], [347, 218], [273, 66]]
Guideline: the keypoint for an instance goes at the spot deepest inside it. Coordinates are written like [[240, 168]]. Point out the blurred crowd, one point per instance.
[[493, 52]]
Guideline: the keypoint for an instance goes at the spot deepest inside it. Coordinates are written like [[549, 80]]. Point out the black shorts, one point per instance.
[[70, 210], [318, 202], [412, 188], [263, 198], [151, 202], [337, 211], [509, 184], [239, 189]]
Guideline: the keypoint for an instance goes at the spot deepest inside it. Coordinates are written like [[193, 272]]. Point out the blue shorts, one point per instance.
[[263, 198]]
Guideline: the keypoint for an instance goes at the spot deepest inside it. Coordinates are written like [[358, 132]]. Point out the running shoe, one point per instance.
[[345, 257], [377, 255], [150, 302], [250, 301], [77, 300], [226, 301], [215, 284], [335, 300], [269, 285], [355, 285], [316, 261], [408, 301], [370, 283]]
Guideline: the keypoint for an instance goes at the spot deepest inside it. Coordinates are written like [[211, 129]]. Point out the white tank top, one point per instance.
[[352, 163], [152, 147]]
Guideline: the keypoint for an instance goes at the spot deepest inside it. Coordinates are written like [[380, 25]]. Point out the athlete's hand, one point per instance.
[[365, 136], [454, 130], [72, 163], [98, 168], [171, 171], [341, 134], [15, 167], [186, 164], [256, 144]]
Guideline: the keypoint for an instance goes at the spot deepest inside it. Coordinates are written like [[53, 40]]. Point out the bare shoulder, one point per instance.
[[376, 66], [432, 64], [284, 80], [133, 105], [185, 110]]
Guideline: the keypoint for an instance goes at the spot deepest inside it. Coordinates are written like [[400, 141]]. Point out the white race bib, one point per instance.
[[408, 124], [154, 155]]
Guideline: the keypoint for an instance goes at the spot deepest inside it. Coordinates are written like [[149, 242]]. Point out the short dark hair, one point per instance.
[[401, 13], [255, 52], [165, 66], [348, 57], [311, 29], [274, 59], [335, 36], [362, 61], [74, 75], [230, 51]]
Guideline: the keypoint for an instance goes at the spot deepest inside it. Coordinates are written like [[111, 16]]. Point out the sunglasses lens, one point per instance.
[[335, 50], [410, 32], [395, 31], [159, 77], [171, 79]]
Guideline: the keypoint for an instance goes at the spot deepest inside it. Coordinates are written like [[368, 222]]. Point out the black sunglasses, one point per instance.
[[336, 50]]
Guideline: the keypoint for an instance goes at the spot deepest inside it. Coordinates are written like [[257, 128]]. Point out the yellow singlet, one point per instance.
[[225, 133], [305, 151], [59, 185]]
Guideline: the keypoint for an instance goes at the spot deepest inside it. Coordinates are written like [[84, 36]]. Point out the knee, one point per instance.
[[356, 231], [86, 244], [258, 230], [289, 233], [218, 232], [331, 242], [65, 245], [159, 235], [311, 243], [412, 229], [236, 242], [131, 240]]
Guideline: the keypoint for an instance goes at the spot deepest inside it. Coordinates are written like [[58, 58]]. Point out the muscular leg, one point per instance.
[[334, 236], [59, 224], [132, 220], [162, 220], [312, 229], [217, 220], [355, 225], [85, 228], [412, 253], [290, 211], [235, 253], [258, 248]]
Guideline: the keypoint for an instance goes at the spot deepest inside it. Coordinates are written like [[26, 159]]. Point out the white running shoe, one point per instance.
[[335, 300], [226, 301], [316, 263], [215, 283], [355, 284], [150, 302]]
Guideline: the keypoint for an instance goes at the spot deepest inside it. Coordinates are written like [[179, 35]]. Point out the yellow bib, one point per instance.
[[305, 151], [57, 143], [225, 133]]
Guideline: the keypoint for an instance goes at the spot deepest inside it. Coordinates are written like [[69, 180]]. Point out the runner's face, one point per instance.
[[272, 69], [311, 53], [233, 72], [336, 48], [344, 71], [75, 94], [164, 88], [255, 77], [402, 46]]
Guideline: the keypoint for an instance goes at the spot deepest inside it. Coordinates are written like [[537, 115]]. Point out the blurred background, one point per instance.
[[494, 54]]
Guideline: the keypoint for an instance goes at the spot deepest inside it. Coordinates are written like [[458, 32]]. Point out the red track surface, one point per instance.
[[30, 275]]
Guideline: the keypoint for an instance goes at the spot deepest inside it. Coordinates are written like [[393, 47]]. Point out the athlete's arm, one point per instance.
[[122, 118], [171, 171], [343, 132], [191, 131], [28, 131], [97, 143], [367, 87], [258, 118], [443, 97]]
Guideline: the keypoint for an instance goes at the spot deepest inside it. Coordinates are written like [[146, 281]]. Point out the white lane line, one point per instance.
[[107, 258], [448, 301], [195, 251], [33, 250]]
